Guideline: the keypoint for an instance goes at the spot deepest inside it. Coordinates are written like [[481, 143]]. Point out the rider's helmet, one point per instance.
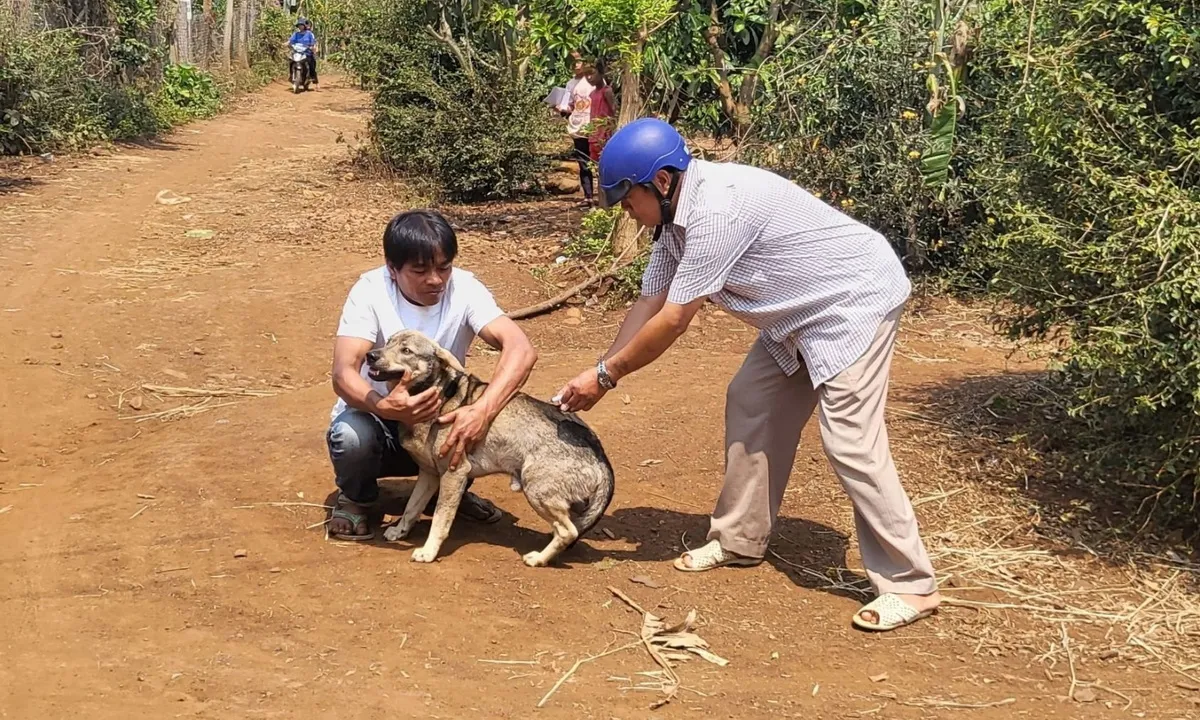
[[634, 154], [301, 23]]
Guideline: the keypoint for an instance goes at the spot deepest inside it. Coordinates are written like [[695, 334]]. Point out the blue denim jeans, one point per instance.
[[363, 448]]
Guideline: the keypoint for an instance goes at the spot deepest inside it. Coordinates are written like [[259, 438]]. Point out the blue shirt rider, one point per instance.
[[304, 36]]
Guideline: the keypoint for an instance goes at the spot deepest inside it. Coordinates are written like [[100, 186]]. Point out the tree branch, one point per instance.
[[712, 36]]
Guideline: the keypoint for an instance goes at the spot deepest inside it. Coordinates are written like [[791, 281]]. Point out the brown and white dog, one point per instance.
[[554, 457]]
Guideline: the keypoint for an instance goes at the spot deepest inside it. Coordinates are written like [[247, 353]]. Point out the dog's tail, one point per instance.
[[598, 503]]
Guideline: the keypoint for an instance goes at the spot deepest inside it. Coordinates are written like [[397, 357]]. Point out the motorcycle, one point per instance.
[[298, 70]]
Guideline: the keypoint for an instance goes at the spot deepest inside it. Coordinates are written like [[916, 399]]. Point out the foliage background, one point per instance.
[[77, 72]]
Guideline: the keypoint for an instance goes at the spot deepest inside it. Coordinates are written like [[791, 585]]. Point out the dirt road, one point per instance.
[[124, 513]]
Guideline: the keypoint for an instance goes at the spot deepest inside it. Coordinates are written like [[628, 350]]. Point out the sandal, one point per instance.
[[892, 612], [712, 556], [472, 507], [356, 521]]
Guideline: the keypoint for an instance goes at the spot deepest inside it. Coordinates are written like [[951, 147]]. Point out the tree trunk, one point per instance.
[[243, 39], [204, 46], [625, 237], [183, 33], [227, 37]]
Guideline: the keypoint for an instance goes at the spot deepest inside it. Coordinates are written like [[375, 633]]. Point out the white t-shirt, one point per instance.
[[375, 310], [579, 102]]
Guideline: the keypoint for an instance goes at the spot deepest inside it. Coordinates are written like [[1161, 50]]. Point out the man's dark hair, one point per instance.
[[418, 236]]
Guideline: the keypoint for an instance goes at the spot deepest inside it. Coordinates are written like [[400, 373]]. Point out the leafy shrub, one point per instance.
[[47, 100], [467, 136], [187, 93], [1087, 158], [267, 57], [852, 128], [593, 242], [592, 238]]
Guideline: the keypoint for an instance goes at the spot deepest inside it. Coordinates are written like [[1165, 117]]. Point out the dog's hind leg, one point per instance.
[[426, 486], [557, 513], [450, 494]]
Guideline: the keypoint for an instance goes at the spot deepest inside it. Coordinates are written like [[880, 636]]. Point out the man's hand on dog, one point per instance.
[[409, 409], [582, 393], [471, 423]]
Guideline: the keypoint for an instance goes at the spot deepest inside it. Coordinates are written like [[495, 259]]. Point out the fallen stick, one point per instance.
[[618, 265], [562, 297], [580, 662]]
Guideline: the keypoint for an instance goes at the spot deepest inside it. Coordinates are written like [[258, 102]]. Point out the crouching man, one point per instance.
[[417, 288]]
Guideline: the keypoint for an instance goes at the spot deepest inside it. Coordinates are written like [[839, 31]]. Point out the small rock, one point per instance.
[[348, 177], [136, 402], [240, 553], [574, 313], [174, 373], [1085, 695], [1110, 654], [274, 570], [56, 333], [56, 346], [197, 351], [91, 396], [720, 313]]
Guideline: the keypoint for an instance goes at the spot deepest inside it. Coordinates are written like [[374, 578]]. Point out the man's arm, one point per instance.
[[517, 358], [471, 422], [646, 307], [349, 353], [658, 334]]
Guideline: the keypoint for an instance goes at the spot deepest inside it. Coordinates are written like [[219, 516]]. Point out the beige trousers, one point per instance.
[[765, 411]]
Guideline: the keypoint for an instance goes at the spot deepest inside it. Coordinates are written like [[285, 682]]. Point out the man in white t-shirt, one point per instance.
[[417, 288]]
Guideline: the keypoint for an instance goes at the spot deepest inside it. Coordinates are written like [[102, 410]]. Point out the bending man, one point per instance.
[[826, 293]]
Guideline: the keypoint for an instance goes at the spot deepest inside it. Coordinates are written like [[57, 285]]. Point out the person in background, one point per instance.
[[577, 107], [603, 111], [304, 36]]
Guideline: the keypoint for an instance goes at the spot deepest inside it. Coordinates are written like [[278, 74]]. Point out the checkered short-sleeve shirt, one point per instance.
[[814, 281]]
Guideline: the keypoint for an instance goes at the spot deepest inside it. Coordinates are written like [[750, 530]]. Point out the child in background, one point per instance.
[[603, 111]]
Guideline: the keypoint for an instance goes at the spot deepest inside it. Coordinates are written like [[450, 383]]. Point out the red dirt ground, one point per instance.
[[119, 586]]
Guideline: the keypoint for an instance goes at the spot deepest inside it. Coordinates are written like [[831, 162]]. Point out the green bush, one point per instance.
[[47, 99], [593, 242], [1086, 161], [186, 93], [464, 136], [852, 127]]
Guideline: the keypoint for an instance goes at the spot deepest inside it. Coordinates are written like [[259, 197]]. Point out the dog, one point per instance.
[[552, 456]]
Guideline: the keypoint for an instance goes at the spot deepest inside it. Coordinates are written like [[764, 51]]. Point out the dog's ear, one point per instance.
[[447, 358]]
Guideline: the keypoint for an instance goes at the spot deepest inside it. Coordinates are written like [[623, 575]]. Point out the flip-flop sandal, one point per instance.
[[712, 556], [356, 521], [892, 612]]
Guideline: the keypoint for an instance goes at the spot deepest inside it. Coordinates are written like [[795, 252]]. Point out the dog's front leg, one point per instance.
[[450, 494], [425, 487]]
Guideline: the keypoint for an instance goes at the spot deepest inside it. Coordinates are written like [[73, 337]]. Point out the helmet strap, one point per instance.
[[664, 203]]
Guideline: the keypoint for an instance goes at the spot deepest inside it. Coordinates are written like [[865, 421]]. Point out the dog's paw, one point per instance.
[[534, 559], [395, 532], [424, 555]]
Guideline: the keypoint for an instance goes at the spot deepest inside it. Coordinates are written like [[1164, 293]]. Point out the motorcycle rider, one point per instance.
[[304, 36]]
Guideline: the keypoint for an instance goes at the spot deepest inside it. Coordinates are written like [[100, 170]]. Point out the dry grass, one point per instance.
[[205, 399]]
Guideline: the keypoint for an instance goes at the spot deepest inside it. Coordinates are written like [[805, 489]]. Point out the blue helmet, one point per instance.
[[635, 153]]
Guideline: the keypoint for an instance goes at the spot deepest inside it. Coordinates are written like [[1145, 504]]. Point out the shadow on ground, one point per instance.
[[811, 554], [1012, 430]]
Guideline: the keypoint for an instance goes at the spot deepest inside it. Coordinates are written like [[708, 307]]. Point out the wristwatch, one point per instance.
[[605, 379]]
